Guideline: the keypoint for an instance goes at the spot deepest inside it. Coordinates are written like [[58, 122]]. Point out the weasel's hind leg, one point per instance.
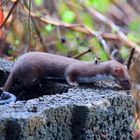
[[9, 81]]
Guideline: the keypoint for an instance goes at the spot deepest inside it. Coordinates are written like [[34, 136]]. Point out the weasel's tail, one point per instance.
[[9, 82]]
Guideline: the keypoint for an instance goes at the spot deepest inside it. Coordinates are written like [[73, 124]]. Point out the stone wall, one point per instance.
[[95, 112]]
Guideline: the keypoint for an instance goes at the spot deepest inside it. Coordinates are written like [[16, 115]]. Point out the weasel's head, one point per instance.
[[120, 73]]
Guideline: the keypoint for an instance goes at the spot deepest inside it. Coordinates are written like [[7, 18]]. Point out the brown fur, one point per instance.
[[33, 66]]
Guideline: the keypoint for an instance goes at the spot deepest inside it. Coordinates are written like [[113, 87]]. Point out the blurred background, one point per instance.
[[82, 29]]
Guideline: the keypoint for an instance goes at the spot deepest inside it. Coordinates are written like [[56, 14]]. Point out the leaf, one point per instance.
[[68, 16], [1, 21], [133, 36], [124, 52], [49, 28], [87, 20], [101, 6], [98, 49], [1, 16], [134, 25], [38, 2]]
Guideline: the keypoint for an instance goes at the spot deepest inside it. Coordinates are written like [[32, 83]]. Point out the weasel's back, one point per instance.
[[52, 65], [49, 58], [35, 65]]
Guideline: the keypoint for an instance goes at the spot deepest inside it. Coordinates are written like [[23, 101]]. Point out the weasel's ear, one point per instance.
[[117, 71]]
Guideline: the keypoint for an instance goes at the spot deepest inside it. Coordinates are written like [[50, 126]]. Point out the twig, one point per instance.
[[127, 9], [101, 40], [81, 54], [3, 44], [38, 33], [130, 58], [114, 53], [29, 26], [10, 12], [4, 3], [80, 28], [74, 27], [107, 21]]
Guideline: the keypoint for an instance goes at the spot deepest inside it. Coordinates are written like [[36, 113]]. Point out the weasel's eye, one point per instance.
[[125, 81]]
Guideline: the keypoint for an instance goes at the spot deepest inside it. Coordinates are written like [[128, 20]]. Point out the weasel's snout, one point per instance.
[[125, 84]]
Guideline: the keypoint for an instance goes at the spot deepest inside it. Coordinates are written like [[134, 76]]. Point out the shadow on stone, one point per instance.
[[12, 130], [79, 117]]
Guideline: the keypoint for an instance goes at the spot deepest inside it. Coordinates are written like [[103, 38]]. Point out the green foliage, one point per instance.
[[76, 42], [100, 5], [68, 16], [48, 28], [134, 33], [87, 20], [61, 48], [38, 2], [124, 52], [99, 52], [87, 57], [133, 36], [135, 25]]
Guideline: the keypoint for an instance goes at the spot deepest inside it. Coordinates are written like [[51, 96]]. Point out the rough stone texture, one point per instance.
[[78, 114], [96, 112], [5, 67]]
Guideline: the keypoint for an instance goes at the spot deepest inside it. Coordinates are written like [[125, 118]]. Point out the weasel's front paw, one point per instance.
[[74, 84]]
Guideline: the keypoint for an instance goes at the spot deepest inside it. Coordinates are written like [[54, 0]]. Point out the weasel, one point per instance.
[[31, 67]]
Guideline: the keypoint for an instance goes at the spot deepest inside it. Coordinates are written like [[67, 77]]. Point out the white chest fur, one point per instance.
[[96, 78]]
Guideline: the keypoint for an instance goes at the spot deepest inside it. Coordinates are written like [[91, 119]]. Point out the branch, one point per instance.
[[74, 27], [114, 27], [100, 39], [39, 34], [81, 54], [130, 58], [10, 12]]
